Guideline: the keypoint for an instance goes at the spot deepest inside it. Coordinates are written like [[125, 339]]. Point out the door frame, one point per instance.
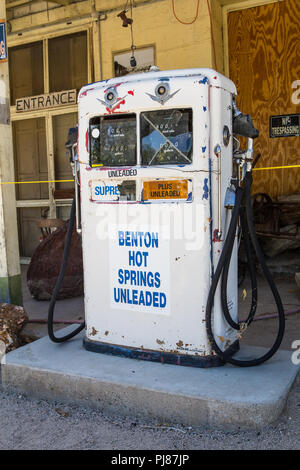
[[48, 114]]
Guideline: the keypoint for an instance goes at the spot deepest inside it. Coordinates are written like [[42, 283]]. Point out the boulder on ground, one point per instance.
[[45, 265], [12, 320]]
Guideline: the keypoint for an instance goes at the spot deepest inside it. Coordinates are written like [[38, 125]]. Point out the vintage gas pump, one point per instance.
[[159, 192]]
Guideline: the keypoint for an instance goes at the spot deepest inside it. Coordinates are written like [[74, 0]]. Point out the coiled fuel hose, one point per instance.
[[61, 339], [221, 273]]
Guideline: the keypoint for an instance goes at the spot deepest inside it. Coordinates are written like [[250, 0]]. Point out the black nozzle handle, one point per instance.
[[243, 126]]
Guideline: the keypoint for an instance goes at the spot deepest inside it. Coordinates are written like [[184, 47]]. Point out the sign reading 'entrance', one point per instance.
[[285, 126], [50, 100]]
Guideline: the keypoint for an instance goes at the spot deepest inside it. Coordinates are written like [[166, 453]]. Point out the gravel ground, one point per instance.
[[38, 424]]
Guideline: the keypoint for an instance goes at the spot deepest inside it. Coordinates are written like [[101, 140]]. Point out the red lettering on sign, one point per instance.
[[87, 140]]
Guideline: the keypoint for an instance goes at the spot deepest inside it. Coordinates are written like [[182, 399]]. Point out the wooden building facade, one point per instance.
[[55, 47]]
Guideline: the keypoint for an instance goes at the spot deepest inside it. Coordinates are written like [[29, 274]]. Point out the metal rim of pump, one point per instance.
[[226, 135], [110, 97], [162, 91]]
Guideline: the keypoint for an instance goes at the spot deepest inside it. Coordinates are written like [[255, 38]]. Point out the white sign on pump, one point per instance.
[[139, 260]]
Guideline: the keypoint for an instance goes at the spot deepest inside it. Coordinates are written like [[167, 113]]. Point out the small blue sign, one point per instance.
[[3, 47]]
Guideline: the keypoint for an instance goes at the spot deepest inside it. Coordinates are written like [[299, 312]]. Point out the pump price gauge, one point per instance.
[[113, 140], [166, 137]]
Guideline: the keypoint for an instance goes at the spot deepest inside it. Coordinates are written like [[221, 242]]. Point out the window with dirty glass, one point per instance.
[[68, 63], [144, 59], [26, 71], [166, 137], [113, 140]]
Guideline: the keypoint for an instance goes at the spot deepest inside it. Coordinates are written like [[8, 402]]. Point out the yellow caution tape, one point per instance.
[[72, 181], [276, 167], [31, 182]]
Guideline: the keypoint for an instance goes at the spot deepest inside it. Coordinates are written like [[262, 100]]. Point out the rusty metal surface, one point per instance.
[[270, 217]]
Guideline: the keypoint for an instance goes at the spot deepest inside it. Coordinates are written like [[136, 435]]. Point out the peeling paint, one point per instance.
[[87, 140], [216, 238], [205, 189], [160, 341], [204, 80]]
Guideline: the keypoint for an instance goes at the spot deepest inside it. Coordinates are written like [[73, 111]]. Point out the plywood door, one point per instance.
[[264, 61]]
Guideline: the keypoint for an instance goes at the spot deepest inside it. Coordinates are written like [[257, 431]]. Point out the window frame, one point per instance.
[[128, 51]]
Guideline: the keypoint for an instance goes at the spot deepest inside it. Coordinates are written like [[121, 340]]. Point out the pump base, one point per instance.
[[157, 356]]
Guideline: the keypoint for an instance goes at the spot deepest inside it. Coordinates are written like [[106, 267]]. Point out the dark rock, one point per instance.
[[45, 265], [12, 320]]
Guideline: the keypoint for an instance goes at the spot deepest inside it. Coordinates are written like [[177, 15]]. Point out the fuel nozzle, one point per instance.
[[242, 123]]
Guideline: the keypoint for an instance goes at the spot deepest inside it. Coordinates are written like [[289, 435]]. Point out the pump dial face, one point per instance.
[[166, 137], [113, 140]]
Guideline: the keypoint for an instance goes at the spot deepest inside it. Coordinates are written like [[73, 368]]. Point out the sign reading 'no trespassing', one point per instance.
[[285, 126]]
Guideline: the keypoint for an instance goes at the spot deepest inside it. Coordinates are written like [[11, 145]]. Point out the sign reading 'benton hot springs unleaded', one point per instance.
[[139, 269]]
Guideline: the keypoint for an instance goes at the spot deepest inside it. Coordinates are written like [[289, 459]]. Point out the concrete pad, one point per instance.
[[222, 396]]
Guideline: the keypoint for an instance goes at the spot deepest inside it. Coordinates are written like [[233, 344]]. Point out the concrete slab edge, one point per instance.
[[162, 406]]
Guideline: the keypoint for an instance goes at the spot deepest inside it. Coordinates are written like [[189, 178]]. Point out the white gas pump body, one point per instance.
[[153, 219]]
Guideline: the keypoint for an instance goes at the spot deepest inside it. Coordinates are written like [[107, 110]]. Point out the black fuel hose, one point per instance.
[[61, 339], [223, 268], [252, 271]]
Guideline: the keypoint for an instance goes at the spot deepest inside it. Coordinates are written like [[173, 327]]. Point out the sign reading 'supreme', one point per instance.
[[285, 126], [49, 100]]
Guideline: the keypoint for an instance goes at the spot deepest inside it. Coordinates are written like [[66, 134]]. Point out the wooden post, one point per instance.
[[10, 277]]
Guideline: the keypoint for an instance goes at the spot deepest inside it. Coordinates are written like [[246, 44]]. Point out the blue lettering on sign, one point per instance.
[[148, 298], [130, 280], [107, 190], [138, 239]]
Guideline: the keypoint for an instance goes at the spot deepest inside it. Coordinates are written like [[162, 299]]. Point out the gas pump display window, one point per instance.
[[166, 137], [113, 140]]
